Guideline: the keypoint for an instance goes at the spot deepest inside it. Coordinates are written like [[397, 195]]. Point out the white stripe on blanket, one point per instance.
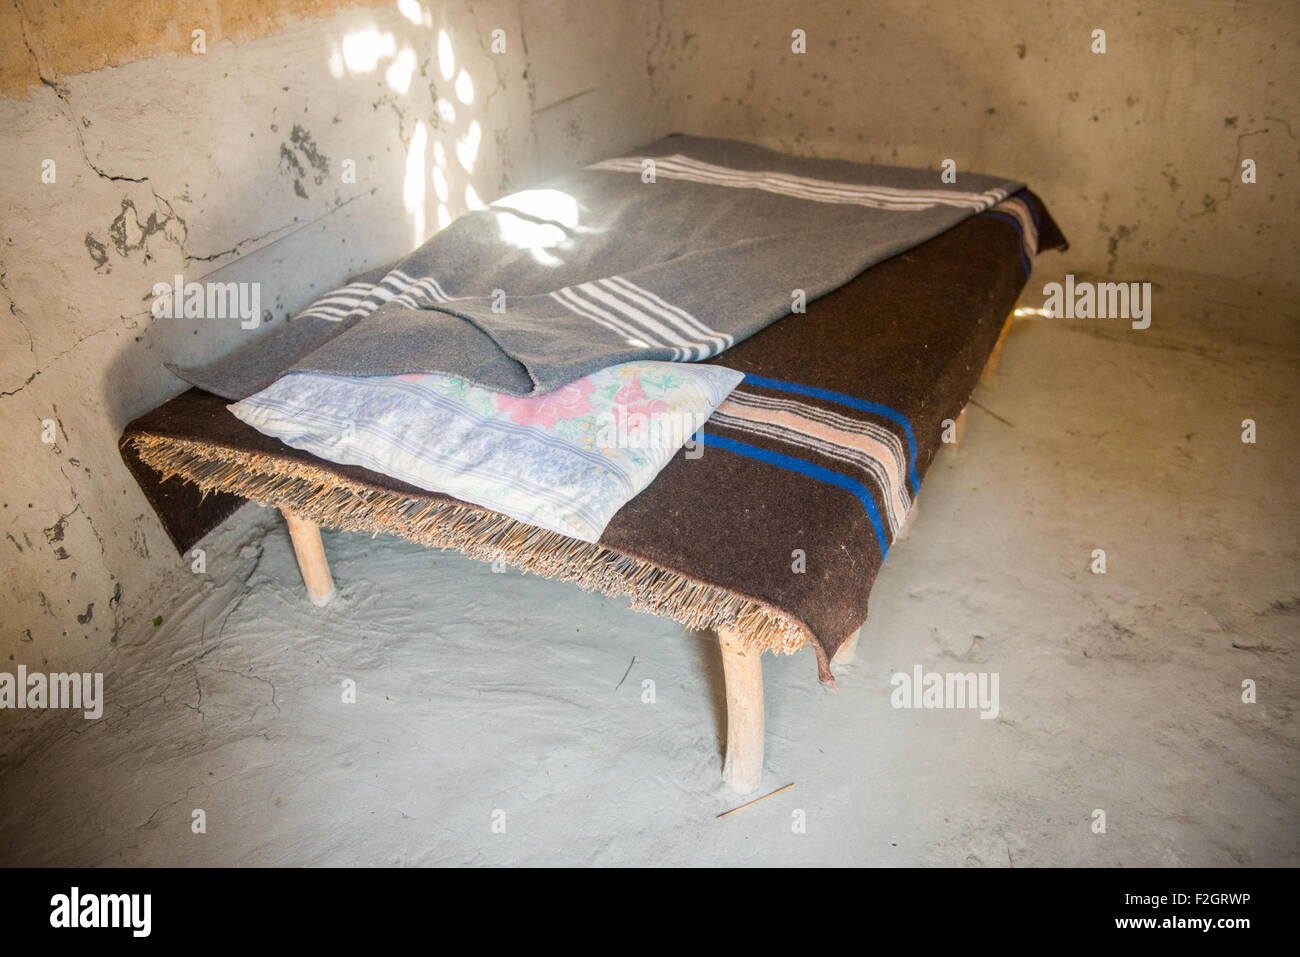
[[807, 427], [682, 167]]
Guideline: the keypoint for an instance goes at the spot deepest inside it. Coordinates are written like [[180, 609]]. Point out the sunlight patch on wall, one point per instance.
[[413, 183], [451, 132], [446, 59], [467, 146], [363, 50], [399, 73], [464, 88], [411, 10]]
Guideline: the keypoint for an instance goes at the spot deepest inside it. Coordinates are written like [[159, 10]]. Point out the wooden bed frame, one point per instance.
[[742, 668]]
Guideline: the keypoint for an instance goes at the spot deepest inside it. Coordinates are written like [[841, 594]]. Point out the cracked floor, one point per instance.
[[479, 693]]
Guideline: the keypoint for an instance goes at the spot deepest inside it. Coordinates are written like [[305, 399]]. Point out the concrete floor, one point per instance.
[[480, 692]]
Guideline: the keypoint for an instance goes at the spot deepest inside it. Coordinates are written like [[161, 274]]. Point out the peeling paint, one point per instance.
[[98, 251], [302, 142]]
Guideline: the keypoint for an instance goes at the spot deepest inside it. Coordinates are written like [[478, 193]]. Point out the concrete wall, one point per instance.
[[227, 165]]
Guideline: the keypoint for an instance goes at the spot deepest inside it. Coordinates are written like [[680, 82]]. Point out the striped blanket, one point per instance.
[[675, 253], [778, 530]]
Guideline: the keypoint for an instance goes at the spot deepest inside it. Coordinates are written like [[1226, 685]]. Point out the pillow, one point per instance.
[[564, 461]]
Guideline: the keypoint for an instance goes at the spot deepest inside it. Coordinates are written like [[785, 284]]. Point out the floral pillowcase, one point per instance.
[[564, 461]]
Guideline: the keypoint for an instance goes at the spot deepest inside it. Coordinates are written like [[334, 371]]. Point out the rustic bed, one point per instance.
[[771, 538]]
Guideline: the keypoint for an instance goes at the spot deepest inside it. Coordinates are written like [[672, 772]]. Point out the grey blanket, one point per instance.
[[675, 252]]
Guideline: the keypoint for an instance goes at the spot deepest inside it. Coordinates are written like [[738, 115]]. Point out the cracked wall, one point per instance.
[[232, 166]]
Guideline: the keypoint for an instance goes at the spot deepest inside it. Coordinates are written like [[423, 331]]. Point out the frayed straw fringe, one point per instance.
[[330, 500]]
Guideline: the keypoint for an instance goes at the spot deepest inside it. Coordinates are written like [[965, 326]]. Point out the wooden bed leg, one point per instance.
[[958, 430], [849, 650], [742, 669], [908, 521], [989, 377], [311, 558]]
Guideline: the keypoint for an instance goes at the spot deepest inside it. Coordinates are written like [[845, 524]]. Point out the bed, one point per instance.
[[771, 538]]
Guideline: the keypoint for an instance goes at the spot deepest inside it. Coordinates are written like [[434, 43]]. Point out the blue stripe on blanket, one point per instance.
[[792, 464], [862, 405]]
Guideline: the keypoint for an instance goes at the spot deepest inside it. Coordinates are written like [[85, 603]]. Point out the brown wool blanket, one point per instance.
[[821, 449]]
